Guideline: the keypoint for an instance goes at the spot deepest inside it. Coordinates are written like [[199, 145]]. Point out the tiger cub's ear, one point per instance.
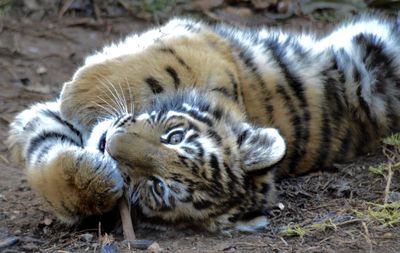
[[260, 147]]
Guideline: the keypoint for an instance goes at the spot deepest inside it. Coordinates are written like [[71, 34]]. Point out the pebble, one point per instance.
[[86, 237], [139, 244], [394, 197], [155, 248], [30, 247], [109, 248], [387, 235], [41, 70]]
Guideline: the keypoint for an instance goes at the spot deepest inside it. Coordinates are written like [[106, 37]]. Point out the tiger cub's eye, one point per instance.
[[175, 137], [159, 187]]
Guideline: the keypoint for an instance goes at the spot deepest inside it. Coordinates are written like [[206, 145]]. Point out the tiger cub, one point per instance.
[[192, 122]]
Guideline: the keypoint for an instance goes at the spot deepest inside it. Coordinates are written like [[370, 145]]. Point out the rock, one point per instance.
[[41, 70], [205, 5], [32, 5], [86, 237], [394, 197], [155, 248], [8, 242], [31, 247], [263, 4], [45, 222]]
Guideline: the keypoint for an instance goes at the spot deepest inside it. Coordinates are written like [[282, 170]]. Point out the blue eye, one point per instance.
[[175, 137]]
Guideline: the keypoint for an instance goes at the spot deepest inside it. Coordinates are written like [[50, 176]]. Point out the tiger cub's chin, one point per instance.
[[194, 162]]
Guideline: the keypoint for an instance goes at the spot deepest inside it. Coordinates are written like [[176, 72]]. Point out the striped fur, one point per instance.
[[202, 118]]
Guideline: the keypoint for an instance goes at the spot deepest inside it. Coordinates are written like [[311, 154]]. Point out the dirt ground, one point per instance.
[[323, 211]]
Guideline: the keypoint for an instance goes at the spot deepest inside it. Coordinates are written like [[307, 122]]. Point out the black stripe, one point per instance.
[[200, 150], [183, 160], [172, 72], [202, 204], [154, 85], [381, 66], [265, 188], [43, 150], [223, 91], [58, 118], [242, 137], [216, 173], [325, 143], [252, 215], [374, 55], [177, 57], [194, 167], [334, 85], [150, 189], [234, 85], [199, 117], [215, 136], [192, 28], [296, 124], [193, 126], [364, 105], [192, 138], [45, 136], [344, 146], [217, 113], [116, 122], [363, 137], [247, 59], [174, 126], [295, 83], [189, 150], [233, 178]]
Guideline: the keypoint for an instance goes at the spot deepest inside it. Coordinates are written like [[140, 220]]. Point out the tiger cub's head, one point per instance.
[[191, 158]]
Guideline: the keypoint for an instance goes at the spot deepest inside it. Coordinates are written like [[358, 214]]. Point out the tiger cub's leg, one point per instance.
[[75, 181]]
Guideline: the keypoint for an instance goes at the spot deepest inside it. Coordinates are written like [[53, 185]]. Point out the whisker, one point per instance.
[[107, 92], [124, 98], [130, 97], [115, 111], [112, 113], [115, 98], [118, 96]]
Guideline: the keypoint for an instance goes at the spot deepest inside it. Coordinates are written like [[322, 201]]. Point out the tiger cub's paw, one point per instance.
[[257, 224], [78, 183]]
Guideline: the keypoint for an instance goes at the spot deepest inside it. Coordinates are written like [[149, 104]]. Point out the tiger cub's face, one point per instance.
[[192, 159]]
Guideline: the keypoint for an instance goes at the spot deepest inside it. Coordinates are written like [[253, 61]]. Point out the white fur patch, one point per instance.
[[254, 225]]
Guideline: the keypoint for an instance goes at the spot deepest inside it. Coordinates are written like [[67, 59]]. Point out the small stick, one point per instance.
[[129, 233], [126, 220], [388, 183], [367, 237]]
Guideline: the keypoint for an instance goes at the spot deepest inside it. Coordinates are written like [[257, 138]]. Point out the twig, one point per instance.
[[126, 220], [96, 9], [283, 240], [84, 21], [64, 8], [388, 183], [367, 237], [99, 233]]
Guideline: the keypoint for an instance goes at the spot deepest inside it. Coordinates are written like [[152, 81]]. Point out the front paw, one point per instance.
[[78, 183], [98, 181]]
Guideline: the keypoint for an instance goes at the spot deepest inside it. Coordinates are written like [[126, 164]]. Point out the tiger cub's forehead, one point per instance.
[[188, 115]]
